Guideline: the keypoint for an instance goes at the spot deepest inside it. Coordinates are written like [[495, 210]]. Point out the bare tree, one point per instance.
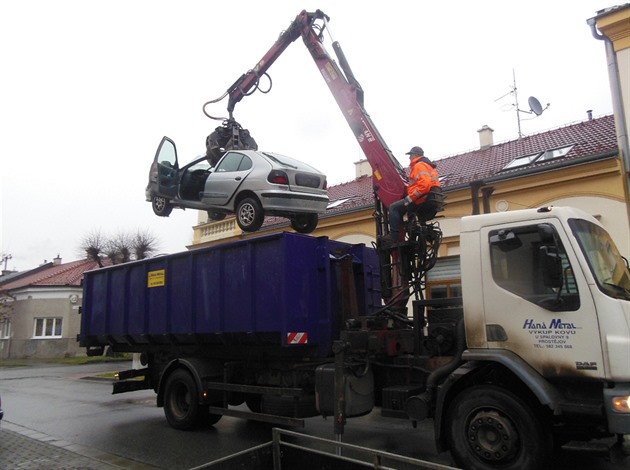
[[144, 244], [93, 245], [121, 248]]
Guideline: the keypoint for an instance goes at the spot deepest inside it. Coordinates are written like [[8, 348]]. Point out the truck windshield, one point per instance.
[[608, 267]]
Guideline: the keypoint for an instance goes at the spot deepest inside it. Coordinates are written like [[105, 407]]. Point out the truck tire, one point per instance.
[[181, 402], [488, 427]]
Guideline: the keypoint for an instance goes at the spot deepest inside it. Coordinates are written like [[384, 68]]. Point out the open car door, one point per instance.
[[167, 166]]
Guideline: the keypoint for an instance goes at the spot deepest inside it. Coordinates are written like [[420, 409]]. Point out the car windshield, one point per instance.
[[606, 263], [289, 162]]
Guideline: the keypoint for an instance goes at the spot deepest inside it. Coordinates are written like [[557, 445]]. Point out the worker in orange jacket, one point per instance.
[[422, 179]]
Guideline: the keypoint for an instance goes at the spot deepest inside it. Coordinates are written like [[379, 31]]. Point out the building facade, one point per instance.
[[41, 320]]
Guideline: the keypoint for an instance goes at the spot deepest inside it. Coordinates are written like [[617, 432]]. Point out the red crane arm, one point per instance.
[[390, 179]]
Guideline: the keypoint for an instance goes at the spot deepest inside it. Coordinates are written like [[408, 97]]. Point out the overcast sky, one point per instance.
[[90, 87]]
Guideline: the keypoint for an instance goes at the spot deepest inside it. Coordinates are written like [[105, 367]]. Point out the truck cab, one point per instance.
[[546, 300]]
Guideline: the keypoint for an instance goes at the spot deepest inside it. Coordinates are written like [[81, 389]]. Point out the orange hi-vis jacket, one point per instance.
[[423, 177]]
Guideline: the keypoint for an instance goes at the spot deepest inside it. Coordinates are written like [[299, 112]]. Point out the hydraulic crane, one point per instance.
[[404, 264]]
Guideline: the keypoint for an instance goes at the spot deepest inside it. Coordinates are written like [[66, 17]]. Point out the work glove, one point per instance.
[[407, 200]]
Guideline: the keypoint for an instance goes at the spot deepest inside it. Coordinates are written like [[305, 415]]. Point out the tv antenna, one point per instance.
[[5, 260], [534, 105]]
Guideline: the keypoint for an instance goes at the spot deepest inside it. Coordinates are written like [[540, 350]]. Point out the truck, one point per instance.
[[284, 326]]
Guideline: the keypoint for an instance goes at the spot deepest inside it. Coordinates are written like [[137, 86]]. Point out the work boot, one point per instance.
[[386, 241]]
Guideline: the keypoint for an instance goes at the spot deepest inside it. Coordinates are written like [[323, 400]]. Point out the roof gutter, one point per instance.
[[613, 72]]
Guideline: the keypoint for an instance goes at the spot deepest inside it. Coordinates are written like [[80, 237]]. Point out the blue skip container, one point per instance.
[[285, 293]]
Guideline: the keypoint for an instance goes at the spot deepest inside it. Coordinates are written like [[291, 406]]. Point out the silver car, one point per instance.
[[248, 183]]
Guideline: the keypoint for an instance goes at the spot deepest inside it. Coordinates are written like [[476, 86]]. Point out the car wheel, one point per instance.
[[161, 206], [216, 216], [488, 427], [249, 214], [304, 223], [181, 402]]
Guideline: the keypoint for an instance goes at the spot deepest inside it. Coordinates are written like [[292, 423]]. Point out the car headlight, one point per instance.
[[621, 404]]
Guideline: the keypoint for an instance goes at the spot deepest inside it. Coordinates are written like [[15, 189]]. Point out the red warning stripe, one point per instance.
[[297, 338]]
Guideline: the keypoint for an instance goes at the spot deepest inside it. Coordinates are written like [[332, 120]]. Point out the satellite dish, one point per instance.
[[535, 106]]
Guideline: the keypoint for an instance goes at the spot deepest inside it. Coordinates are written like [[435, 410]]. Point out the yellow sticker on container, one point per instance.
[[378, 175], [156, 278]]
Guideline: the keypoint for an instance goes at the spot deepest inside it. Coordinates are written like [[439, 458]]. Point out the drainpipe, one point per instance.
[[613, 72], [485, 194], [474, 193]]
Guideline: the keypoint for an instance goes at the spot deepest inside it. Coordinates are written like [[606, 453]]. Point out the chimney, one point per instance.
[[589, 113], [57, 261], [485, 137], [362, 168]]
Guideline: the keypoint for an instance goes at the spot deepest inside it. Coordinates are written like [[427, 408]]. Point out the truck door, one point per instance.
[[537, 303], [226, 178], [167, 166]]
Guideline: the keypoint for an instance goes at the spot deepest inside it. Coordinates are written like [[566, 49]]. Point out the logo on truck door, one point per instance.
[[156, 278], [557, 334]]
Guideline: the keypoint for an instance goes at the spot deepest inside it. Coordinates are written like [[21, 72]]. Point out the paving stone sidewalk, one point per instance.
[[25, 449]]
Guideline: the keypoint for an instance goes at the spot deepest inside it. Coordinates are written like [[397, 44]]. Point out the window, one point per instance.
[[539, 157], [553, 154], [230, 162], [604, 260], [246, 164], [47, 328], [522, 161], [443, 289], [5, 328], [338, 202], [532, 263]]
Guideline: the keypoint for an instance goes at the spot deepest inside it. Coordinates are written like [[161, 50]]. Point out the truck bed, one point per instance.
[[283, 290]]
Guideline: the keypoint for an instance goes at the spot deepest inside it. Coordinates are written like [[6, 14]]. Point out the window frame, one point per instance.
[[57, 324], [5, 328], [513, 275], [539, 157]]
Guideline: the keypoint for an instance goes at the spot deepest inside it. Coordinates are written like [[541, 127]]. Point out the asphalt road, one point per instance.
[[65, 403]]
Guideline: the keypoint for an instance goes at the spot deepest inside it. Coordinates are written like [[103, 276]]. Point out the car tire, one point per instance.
[[216, 216], [304, 223], [249, 214], [161, 206]]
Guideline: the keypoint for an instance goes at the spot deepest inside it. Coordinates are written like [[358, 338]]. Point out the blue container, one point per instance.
[[283, 290]]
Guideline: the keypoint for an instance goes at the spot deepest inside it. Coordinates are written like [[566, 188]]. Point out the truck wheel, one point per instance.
[[488, 427], [304, 223], [249, 214], [181, 402]]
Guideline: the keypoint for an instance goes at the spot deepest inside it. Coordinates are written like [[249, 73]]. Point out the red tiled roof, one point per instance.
[[592, 138], [596, 137], [66, 274]]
